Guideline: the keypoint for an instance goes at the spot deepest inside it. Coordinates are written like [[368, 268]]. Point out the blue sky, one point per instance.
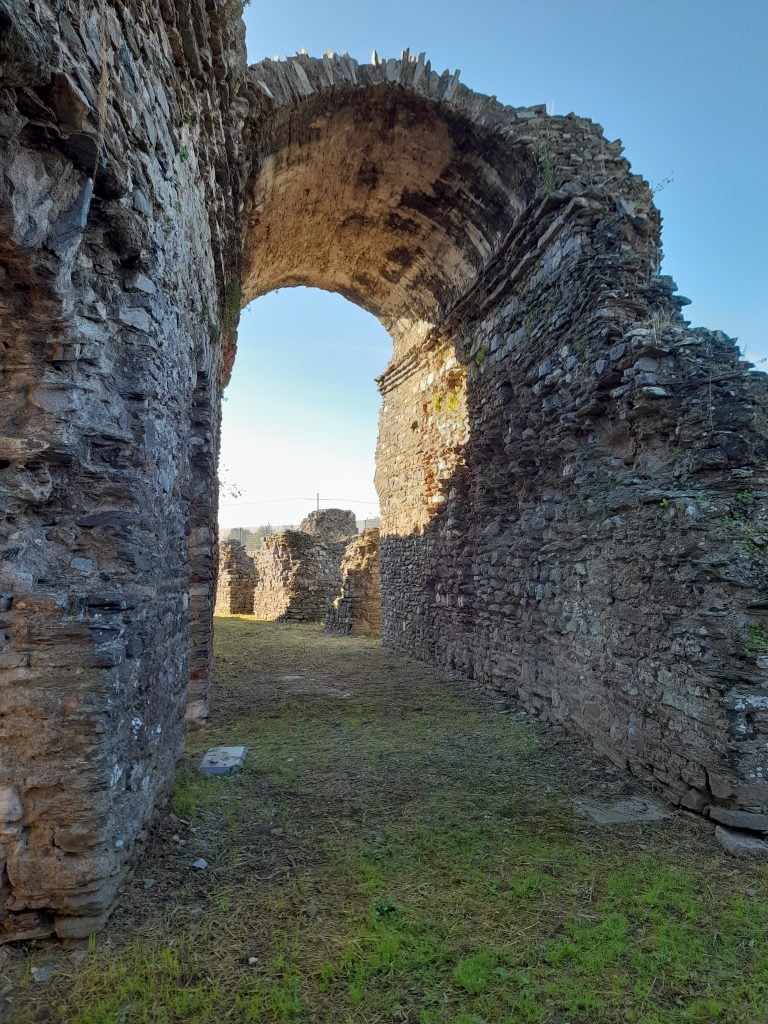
[[683, 83]]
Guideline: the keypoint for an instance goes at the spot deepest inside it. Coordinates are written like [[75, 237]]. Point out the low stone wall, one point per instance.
[[356, 609], [296, 576], [236, 580]]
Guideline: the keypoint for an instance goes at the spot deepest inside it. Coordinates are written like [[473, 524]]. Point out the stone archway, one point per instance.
[[570, 477]]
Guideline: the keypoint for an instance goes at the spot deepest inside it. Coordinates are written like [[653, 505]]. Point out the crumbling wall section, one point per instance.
[[296, 577], [330, 525], [236, 580], [356, 609]]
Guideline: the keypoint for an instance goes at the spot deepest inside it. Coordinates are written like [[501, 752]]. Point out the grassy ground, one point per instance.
[[397, 850]]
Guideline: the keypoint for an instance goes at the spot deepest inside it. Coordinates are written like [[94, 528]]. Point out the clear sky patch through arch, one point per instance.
[[683, 83], [301, 412]]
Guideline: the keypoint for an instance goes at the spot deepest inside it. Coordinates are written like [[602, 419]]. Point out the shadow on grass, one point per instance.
[[395, 851]]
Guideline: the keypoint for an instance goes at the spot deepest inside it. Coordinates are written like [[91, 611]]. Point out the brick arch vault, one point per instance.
[[572, 478]]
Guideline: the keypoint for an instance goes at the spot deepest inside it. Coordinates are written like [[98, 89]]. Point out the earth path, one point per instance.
[[399, 849]]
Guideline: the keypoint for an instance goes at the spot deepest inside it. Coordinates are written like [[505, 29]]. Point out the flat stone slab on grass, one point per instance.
[[624, 811], [741, 844], [740, 819], [222, 760]]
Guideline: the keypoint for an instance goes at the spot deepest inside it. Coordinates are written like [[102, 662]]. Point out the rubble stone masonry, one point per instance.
[[330, 525], [236, 580], [572, 479], [356, 609], [296, 575]]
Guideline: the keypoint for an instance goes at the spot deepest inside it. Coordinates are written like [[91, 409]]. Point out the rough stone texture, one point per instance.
[[625, 811], [222, 760], [296, 577], [356, 609], [236, 580], [330, 525], [119, 125], [740, 819], [741, 844], [572, 479], [293, 576]]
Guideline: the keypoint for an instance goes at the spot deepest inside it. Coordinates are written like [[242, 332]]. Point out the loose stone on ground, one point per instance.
[[741, 844], [222, 760], [626, 811]]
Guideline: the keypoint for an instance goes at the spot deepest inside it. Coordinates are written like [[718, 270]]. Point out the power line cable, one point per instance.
[[276, 501]]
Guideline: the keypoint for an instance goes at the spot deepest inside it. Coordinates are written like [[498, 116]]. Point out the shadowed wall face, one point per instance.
[[571, 479]]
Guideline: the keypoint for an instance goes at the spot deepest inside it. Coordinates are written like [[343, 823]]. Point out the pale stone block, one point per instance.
[[222, 760]]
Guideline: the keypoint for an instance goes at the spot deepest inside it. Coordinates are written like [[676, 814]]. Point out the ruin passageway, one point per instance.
[[572, 478], [398, 850]]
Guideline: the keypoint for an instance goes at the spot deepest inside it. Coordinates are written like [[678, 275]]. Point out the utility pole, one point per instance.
[[318, 501]]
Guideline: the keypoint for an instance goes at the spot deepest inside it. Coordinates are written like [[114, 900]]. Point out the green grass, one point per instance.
[[433, 875], [757, 638]]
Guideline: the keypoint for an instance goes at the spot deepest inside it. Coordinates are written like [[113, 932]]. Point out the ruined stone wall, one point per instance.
[[236, 580], [598, 551], [296, 576], [356, 609], [118, 128], [297, 572], [572, 481], [330, 525]]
